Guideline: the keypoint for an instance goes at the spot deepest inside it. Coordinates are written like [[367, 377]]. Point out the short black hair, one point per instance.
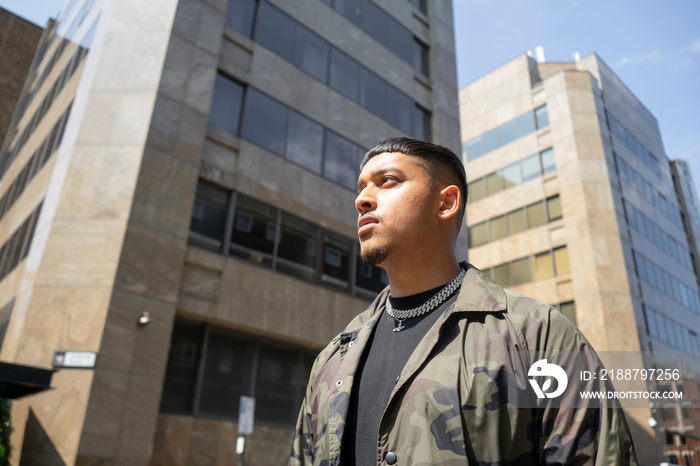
[[435, 159]]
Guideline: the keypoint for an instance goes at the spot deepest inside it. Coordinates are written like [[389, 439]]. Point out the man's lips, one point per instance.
[[365, 223]]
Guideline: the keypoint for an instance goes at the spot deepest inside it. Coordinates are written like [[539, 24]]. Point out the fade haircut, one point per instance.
[[440, 162]]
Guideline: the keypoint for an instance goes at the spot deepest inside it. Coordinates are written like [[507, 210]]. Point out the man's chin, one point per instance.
[[375, 255]]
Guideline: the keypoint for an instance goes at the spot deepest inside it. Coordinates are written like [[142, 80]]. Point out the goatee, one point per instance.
[[376, 256]]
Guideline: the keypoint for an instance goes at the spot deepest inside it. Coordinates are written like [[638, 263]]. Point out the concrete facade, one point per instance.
[[18, 41], [601, 281], [113, 238]]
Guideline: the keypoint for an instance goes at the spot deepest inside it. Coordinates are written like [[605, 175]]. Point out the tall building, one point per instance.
[[18, 41], [573, 202], [178, 207]]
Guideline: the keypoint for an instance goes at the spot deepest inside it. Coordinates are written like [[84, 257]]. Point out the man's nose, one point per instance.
[[365, 200]]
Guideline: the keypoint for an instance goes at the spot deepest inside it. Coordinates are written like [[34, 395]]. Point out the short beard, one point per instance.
[[376, 256]]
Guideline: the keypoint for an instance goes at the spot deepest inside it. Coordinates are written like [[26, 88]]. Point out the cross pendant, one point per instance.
[[399, 326]]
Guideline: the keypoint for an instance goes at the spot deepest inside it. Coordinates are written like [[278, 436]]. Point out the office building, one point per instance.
[[18, 41], [178, 206], [573, 202]]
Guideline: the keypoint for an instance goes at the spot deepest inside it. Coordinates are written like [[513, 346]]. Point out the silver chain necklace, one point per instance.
[[401, 315]]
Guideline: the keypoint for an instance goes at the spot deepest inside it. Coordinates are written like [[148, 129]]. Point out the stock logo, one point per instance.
[[542, 369]]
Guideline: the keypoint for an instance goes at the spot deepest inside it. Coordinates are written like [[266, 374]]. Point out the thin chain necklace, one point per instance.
[[401, 315]]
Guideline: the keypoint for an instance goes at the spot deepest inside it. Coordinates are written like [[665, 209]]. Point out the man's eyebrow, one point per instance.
[[377, 173]]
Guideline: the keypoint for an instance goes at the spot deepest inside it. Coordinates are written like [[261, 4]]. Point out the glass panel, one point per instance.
[[227, 373], [474, 149], [336, 259], [494, 181], [499, 228], [400, 40], [421, 57], [265, 122], [561, 260], [181, 372], [516, 221], [507, 132], [297, 249], [400, 108], [548, 164], [311, 54], [531, 167], [536, 215], [276, 31], [241, 16], [305, 142], [370, 277], [490, 140], [209, 216], [422, 129], [525, 124], [501, 275], [373, 93], [275, 402], [541, 117], [351, 9], [554, 208], [521, 271], [342, 160], [569, 310], [512, 175], [344, 74], [543, 266], [479, 234], [477, 189], [375, 21], [226, 104], [254, 228]]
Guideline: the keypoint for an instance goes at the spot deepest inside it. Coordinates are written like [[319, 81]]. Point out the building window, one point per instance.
[[541, 117], [305, 142], [265, 122], [536, 214], [208, 216], [373, 93], [240, 16], [226, 104], [270, 237], [514, 174], [540, 266], [422, 128], [543, 267], [561, 260], [344, 74], [233, 364], [506, 133], [276, 31], [569, 311], [342, 161], [311, 53], [399, 111]]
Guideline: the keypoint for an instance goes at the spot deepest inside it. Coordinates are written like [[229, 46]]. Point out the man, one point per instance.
[[434, 371]]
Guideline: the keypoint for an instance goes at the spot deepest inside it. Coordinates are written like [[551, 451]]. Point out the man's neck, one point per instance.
[[407, 280]]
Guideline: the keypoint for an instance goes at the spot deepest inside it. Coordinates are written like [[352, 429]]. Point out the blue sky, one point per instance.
[[652, 45]]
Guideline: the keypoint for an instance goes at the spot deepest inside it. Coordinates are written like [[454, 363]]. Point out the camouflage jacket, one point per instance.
[[451, 402]]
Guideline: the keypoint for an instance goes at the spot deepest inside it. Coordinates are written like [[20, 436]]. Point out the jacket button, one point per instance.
[[390, 458]]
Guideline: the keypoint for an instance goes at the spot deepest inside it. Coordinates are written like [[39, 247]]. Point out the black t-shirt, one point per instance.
[[381, 364]]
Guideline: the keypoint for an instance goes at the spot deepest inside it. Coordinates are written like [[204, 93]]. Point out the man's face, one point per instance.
[[397, 204]]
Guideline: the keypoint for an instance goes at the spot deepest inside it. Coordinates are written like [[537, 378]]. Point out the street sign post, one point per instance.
[[246, 419]]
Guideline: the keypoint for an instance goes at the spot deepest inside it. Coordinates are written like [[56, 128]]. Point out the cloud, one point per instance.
[[695, 46], [682, 64], [651, 57]]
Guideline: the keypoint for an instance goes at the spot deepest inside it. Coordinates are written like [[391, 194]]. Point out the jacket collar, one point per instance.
[[478, 293]]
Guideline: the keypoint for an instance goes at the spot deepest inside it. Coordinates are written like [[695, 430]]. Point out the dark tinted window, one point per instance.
[[226, 104], [276, 31], [181, 372], [275, 402], [311, 54], [344, 74], [241, 16], [373, 93], [297, 248], [375, 21], [400, 110], [400, 40], [255, 229], [265, 122], [305, 142], [209, 216], [342, 160], [336, 260], [370, 277], [351, 9], [422, 130]]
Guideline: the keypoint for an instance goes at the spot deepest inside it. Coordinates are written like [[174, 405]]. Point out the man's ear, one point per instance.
[[450, 202]]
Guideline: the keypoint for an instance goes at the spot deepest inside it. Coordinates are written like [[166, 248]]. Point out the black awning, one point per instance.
[[17, 380]]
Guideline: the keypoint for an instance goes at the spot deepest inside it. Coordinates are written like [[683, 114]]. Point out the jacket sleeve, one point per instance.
[[572, 429], [301, 449]]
